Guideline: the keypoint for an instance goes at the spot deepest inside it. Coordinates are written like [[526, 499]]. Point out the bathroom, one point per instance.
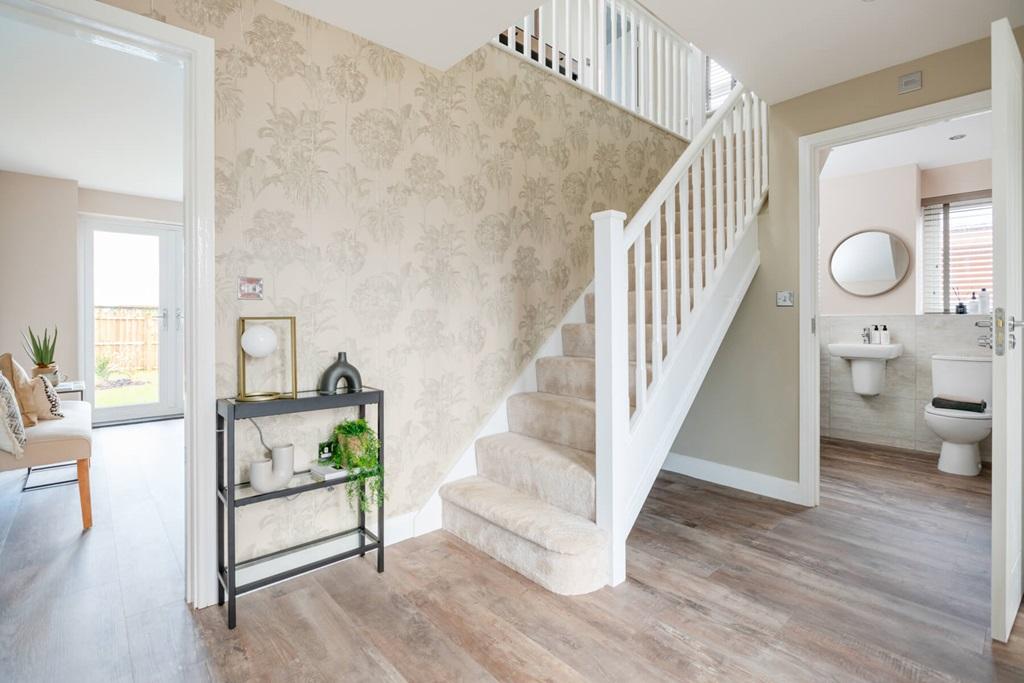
[[905, 268]]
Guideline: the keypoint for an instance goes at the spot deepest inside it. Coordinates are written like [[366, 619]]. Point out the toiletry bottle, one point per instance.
[[876, 335], [885, 336], [973, 305], [984, 302]]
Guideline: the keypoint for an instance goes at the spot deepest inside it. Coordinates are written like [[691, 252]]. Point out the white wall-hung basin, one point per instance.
[[867, 364]]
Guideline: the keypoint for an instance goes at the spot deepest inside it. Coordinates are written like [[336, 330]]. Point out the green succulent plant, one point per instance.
[[40, 349], [354, 446]]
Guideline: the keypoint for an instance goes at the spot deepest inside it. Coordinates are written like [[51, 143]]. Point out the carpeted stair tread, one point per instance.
[[556, 474], [544, 525], [576, 376], [563, 420]]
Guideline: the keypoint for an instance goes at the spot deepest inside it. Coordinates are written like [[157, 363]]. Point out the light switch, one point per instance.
[[250, 288], [786, 298]]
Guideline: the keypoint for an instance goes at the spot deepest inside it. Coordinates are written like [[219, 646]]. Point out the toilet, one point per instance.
[[969, 378]]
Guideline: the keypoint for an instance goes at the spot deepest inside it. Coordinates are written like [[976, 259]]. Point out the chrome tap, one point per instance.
[[865, 335]]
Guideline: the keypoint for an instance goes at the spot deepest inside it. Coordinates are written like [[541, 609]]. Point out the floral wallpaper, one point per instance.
[[433, 225]]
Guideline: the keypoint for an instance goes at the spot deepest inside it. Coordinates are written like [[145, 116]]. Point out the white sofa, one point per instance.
[[54, 441]]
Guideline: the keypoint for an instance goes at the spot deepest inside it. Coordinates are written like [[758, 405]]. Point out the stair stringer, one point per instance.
[[670, 401]]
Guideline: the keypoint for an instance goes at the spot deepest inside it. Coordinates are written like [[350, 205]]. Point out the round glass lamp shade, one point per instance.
[[259, 341]]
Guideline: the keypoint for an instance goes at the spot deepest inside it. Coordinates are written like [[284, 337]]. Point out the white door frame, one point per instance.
[[810, 147], [171, 360], [139, 35]]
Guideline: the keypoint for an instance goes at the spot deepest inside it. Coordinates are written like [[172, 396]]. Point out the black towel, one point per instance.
[[956, 404]]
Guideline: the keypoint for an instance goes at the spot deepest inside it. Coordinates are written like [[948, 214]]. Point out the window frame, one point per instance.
[[944, 201]]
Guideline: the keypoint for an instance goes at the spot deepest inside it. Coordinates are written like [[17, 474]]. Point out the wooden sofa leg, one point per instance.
[[83, 492]]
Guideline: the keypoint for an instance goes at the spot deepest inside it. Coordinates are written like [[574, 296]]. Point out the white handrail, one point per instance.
[[720, 181], [619, 51]]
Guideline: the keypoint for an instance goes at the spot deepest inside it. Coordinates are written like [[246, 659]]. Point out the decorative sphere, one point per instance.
[[259, 341]]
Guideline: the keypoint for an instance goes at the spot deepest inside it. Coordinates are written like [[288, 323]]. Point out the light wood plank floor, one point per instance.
[[886, 581]]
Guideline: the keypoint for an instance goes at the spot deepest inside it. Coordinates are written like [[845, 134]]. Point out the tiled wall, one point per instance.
[[896, 416]]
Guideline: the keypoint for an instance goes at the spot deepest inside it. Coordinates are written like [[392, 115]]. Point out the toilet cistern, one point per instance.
[[867, 364]]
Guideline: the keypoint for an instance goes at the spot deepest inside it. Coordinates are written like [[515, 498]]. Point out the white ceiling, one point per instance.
[[438, 33], [784, 48], [72, 109], [927, 146]]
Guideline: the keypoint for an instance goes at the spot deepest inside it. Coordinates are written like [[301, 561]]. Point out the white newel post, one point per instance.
[[611, 328]]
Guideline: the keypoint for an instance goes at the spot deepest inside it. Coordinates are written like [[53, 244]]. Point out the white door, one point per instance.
[[1008, 361], [133, 319]]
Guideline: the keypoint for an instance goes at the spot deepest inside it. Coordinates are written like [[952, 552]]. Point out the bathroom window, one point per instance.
[[957, 256]]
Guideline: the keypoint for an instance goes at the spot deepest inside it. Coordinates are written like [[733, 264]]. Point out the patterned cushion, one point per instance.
[[20, 381], [12, 430], [47, 402]]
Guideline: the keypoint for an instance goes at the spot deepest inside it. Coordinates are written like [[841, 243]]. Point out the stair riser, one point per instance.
[[559, 573], [588, 303], [578, 378], [557, 481], [570, 425], [579, 341]]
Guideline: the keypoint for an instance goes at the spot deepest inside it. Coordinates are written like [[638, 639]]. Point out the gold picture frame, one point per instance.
[[243, 392]]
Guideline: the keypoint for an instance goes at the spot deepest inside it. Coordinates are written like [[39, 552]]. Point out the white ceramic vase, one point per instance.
[[273, 474]]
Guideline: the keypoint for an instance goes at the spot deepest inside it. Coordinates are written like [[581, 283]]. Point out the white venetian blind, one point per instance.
[[957, 252], [720, 84]]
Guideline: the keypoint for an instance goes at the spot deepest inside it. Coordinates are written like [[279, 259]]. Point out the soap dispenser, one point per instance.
[[876, 335], [886, 338]]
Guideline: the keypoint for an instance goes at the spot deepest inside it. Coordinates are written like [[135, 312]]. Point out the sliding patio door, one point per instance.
[[133, 319]]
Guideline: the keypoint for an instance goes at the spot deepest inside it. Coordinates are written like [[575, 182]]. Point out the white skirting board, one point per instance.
[[734, 477], [429, 516]]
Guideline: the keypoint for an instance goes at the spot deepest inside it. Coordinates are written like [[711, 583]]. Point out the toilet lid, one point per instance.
[[959, 414]]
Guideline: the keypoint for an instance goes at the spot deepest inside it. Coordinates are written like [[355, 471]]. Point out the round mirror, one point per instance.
[[870, 263]]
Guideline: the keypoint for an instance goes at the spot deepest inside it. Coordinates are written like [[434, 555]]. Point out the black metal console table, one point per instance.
[[232, 495]]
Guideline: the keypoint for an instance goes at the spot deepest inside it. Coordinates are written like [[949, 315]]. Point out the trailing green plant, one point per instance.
[[354, 446], [40, 349]]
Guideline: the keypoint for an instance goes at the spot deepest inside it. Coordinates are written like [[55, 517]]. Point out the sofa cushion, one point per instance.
[[21, 382], [12, 430], [53, 441], [46, 400]]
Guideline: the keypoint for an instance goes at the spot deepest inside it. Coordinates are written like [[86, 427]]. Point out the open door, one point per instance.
[[1008, 326]]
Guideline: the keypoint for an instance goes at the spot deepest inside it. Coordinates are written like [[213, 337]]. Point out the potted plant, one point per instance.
[[40, 350], [354, 447]]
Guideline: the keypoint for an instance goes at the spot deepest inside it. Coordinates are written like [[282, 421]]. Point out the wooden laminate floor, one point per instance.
[[886, 581]]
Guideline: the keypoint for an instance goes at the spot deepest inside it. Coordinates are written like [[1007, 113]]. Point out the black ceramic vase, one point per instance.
[[339, 370]]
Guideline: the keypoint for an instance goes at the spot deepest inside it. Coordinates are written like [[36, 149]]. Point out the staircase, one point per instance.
[[556, 495]]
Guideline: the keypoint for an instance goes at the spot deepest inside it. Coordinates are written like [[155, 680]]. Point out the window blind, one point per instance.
[[720, 84], [957, 256]]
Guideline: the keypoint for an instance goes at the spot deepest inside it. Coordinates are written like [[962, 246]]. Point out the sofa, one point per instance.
[[55, 441]]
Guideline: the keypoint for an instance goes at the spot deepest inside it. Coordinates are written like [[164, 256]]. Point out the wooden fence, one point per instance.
[[128, 336]]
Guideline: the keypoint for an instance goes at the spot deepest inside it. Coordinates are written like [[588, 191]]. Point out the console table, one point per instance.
[[274, 567]]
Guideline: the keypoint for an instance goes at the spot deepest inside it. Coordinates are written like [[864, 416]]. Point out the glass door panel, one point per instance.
[[133, 318], [127, 319]]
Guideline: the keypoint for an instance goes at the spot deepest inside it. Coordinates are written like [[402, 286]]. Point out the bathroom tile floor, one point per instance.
[[886, 581]]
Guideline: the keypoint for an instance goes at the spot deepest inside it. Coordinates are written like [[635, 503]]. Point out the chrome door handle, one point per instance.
[[162, 317], [179, 319], [983, 323]]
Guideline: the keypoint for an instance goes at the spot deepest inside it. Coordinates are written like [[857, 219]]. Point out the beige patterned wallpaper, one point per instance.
[[433, 225]]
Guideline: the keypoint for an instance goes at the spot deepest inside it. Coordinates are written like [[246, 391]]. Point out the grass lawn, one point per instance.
[[148, 391]]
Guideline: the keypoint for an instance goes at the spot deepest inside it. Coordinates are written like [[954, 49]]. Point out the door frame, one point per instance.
[[88, 225], [134, 33], [810, 146]]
